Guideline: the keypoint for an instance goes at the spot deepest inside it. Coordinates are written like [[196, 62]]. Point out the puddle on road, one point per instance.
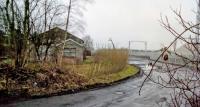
[[119, 93]]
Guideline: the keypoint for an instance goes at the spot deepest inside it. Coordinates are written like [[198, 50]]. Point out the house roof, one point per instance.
[[57, 32], [74, 42]]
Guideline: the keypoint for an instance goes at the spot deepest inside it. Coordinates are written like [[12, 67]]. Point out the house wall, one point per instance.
[[79, 51], [56, 50], [74, 46]]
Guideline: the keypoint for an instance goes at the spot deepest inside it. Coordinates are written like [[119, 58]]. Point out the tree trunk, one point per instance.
[[46, 52], [67, 25]]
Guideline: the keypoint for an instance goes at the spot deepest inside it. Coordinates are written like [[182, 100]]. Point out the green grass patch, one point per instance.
[[88, 60], [109, 78]]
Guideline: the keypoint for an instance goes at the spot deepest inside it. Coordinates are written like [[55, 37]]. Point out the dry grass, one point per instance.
[[111, 60], [104, 62]]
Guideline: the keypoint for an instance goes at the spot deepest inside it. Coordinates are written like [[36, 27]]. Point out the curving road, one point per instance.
[[121, 95]]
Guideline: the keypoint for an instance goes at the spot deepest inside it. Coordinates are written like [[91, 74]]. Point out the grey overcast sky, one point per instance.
[[137, 20]]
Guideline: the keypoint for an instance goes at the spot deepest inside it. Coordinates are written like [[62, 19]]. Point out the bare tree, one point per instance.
[[53, 12], [23, 21], [42, 21], [88, 42], [182, 76], [18, 28]]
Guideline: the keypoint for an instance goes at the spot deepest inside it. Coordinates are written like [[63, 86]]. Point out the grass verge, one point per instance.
[[109, 78]]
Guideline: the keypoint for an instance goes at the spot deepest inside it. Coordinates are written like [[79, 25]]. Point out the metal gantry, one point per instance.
[[145, 43]]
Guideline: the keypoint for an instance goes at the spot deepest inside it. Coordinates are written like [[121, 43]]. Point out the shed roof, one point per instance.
[[57, 32]]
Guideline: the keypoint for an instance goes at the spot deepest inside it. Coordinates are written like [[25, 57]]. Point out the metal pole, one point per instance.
[[145, 48], [129, 47]]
